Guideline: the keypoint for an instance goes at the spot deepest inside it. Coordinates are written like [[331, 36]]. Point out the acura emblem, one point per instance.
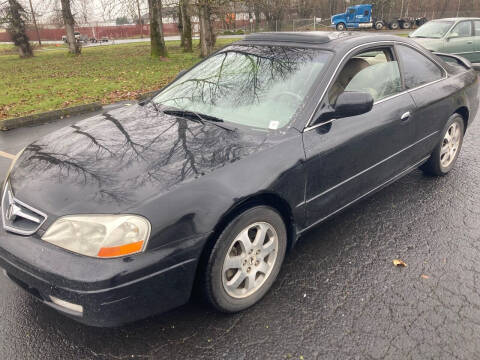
[[12, 210]]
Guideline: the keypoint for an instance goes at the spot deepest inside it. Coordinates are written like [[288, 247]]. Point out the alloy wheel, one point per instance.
[[450, 145], [250, 260]]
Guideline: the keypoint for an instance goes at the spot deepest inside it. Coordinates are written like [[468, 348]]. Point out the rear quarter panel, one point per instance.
[[437, 102]]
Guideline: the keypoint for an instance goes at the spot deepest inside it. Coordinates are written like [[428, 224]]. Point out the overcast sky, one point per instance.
[[95, 10]]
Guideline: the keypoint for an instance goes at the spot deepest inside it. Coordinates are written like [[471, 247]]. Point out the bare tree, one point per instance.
[[140, 18], [207, 33], [15, 15], [83, 9], [184, 6], [157, 41], [35, 23], [69, 22], [108, 9]]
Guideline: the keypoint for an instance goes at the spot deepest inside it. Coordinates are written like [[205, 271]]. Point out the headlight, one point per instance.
[[101, 236]]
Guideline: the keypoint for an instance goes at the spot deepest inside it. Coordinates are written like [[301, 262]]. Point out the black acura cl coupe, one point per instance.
[[211, 181]]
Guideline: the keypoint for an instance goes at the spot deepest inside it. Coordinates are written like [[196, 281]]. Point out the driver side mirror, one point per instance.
[[452, 36], [349, 103]]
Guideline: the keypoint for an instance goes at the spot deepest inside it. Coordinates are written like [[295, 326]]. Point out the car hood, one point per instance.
[[430, 44], [111, 162]]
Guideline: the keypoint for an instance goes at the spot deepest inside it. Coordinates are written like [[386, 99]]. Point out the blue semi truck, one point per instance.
[[362, 17]]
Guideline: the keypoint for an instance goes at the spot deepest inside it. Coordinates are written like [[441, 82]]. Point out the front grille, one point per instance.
[[18, 217]]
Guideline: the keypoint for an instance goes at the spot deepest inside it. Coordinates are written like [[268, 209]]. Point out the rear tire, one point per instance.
[[445, 154], [394, 25], [406, 25], [340, 27], [246, 260]]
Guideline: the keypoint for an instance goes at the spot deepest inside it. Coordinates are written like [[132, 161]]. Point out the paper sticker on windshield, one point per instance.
[[273, 125]]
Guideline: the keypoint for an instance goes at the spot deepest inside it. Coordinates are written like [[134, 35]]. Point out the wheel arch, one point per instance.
[[270, 199], [464, 113]]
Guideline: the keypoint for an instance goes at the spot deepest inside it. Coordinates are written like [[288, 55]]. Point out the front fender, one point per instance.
[[195, 208]]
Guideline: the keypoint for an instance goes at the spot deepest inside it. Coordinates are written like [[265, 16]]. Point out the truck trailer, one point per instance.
[[361, 17]]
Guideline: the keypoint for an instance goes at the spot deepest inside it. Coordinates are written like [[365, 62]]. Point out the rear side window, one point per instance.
[[417, 69], [462, 29], [476, 25]]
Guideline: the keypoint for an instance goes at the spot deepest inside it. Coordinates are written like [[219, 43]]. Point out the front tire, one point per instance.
[[246, 260], [341, 27], [445, 154], [379, 25]]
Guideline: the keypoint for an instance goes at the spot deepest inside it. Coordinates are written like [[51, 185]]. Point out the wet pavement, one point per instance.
[[338, 295]]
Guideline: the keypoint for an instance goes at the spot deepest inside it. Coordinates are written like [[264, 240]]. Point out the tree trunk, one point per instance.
[[207, 34], [180, 24], [157, 41], [258, 15], [35, 23], [186, 25], [140, 20], [16, 28], [69, 21]]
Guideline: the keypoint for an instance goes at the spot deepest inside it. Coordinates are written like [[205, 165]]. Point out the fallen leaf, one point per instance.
[[425, 276], [398, 262]]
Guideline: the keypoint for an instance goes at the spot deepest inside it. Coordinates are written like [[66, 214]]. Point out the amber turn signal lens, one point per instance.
[[123, 250]]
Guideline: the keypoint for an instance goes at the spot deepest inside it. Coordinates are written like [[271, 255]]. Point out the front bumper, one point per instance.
[[111, 292]]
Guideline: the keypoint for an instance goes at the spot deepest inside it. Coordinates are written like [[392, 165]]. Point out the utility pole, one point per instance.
[[35, 23]]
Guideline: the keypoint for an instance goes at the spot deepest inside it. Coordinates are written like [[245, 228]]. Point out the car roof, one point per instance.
[[457, 19], [323, 39], [312, 37]]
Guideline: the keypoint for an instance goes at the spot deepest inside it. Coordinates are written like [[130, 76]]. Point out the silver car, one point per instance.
[[458, 36]]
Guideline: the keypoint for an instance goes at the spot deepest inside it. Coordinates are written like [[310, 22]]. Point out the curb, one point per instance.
[[41, 118]]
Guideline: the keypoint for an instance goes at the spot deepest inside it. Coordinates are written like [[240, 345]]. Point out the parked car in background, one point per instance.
[[458, 36], [212, 180], [78, 37]]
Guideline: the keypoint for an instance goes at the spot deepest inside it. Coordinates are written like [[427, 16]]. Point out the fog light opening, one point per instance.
[[67, 305]]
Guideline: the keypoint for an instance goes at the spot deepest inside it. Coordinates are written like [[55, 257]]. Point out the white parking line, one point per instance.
[[7, 155]]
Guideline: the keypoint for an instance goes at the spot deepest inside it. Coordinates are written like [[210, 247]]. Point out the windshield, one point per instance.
[[433, 29], [252, 85]]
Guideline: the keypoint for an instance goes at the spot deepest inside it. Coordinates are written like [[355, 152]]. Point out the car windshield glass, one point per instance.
[[433, 29], [252, 85]]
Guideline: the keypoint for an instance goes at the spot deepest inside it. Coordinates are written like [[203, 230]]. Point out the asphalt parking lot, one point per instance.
[[338, 296]]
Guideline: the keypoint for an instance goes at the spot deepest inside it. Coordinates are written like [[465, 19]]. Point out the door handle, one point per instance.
[[469, 42], [405, 116]]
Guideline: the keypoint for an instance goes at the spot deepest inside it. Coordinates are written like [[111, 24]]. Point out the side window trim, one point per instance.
[[386, 43]]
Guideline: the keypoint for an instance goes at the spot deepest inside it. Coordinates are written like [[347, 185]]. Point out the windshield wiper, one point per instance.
[[184, 113], [202, 118]]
